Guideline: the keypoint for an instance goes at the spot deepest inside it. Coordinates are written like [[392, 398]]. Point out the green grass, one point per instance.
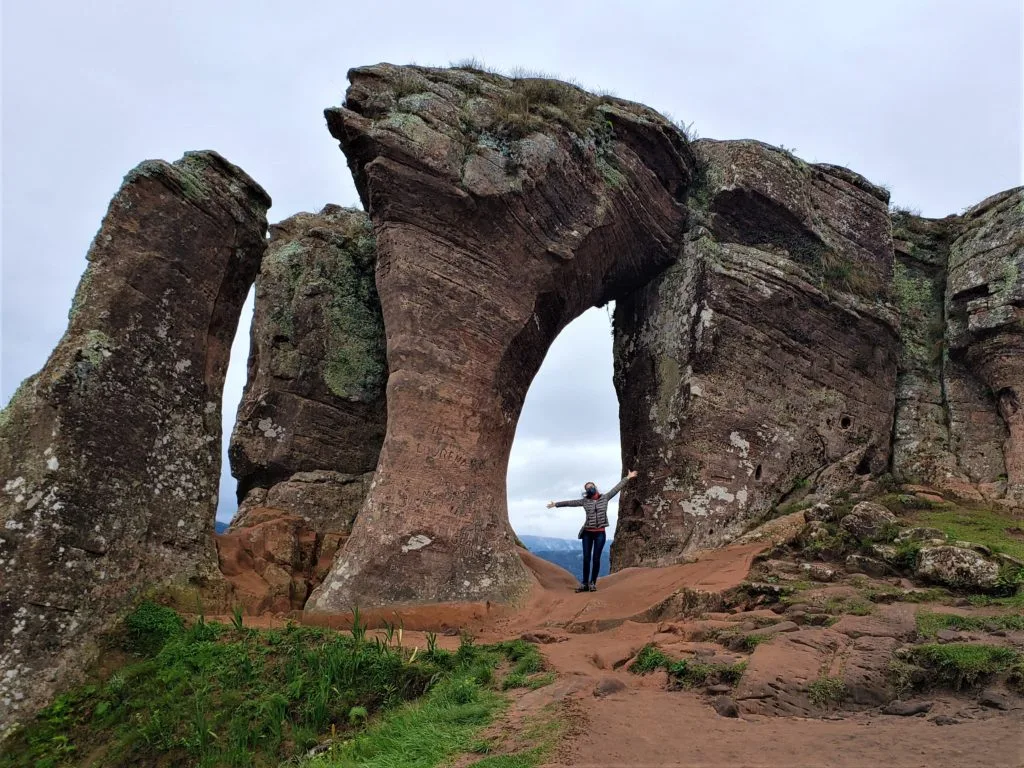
[[960, 665], [648, 660], [854, 606], [929, 624], [826, 690], [975, 524], [1013, 601], [211, 695], [423, 734]]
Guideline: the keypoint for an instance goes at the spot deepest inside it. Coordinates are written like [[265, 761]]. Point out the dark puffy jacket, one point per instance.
[[597, 509]]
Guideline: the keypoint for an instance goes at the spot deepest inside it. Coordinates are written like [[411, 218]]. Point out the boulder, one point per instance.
[[110, 455], [725, 706], [919, 534], [907, 708], [956, 567], [724, 400], [867, 521], [858, 563], [820, 512], [312, 416], [606, 686], [274, 562]]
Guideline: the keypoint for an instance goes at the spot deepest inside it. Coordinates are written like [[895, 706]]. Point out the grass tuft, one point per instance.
[[826, 691], [648, 660], [960, 665]]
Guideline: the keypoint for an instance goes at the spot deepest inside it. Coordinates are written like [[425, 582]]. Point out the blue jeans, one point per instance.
[[593, 545]]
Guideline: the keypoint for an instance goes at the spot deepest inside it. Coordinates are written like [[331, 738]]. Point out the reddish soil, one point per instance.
[[589, 638]]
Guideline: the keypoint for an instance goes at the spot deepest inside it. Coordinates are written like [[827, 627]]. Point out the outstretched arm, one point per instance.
[[621, 484], [570, 503]]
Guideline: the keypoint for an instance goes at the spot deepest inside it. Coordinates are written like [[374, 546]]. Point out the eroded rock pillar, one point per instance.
[[502, 210], [110, 455]]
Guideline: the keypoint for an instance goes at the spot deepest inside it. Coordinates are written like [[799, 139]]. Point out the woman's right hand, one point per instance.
[[551, 504]]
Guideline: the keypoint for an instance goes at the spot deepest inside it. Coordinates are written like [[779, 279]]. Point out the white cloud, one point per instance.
[[924, 95]]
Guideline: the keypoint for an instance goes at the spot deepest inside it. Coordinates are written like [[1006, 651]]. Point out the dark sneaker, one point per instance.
[[593, 586]]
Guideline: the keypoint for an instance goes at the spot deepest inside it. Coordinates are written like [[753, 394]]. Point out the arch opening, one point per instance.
[[568, 434]]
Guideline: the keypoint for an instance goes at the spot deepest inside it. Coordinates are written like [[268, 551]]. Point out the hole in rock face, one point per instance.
[[568, 434], [757, 472], [845, 422], [234, 383], [864, 466]]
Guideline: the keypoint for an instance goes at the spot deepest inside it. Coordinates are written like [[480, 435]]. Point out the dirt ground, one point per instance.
[[589, 638]]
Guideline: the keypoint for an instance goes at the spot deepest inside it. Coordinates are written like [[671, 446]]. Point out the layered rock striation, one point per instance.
[[502, 210], [764, 360], [110, 455]]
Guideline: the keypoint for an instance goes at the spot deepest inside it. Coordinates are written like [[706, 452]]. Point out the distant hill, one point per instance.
[[220, 527], [566, 553]]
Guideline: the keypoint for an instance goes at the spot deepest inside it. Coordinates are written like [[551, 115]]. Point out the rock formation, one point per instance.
[[503, 209], [959, 290], [312, 416], [110, 455], [984, 305], [763, 360]]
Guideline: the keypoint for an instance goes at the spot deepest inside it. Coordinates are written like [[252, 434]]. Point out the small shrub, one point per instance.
[[826, 690], [150, 626], [236, 618], [648, 660]]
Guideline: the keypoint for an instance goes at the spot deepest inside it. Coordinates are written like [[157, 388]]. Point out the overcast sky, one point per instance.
[[924, 96]]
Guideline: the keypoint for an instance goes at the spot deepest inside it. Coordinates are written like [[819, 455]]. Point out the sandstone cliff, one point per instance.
[[763, 360], [312, 417], [110, 455]]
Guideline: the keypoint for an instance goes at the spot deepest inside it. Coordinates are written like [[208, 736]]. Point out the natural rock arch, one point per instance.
[[492, 235]]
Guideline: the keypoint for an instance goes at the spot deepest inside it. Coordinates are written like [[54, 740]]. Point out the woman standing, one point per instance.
[[592, 533]]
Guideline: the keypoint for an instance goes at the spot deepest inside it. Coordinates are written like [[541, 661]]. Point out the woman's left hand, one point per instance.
[[632, 474]]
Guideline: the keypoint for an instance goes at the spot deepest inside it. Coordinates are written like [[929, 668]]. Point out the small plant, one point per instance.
[[150, 626], [357, 715], [648, 660], [929, 624], [691, 674], [236, 618], [826, 691], [358, 627], [431, 643]]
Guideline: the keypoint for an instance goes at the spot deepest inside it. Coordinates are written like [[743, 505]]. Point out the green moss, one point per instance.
[[81, 293], [96, 347]]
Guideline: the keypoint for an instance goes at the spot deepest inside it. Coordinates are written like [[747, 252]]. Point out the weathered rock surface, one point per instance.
[[275, 560], [958, 286], [985, 314], [867, 521], [503, 209], [312, 417], [956, 567], [110, 455], [763, 359]]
